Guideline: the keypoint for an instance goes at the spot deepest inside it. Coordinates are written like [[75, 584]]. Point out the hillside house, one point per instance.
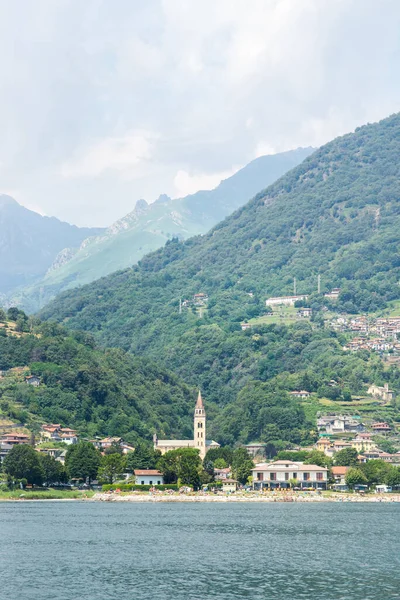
[[383, 393], [333, 294], [200, 299], [222, 474], [256, 449], [13, 439], [363, 445], [245, 326], [304, 313], [281, 473], [33, 380], [300, 394], [284, 300], [339, 474], [381, 427]]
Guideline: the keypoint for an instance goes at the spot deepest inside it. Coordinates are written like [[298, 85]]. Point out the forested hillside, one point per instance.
[[99, 392], [337, 214]]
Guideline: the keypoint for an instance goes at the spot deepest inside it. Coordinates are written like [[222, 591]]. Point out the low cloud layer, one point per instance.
[[103, 103]]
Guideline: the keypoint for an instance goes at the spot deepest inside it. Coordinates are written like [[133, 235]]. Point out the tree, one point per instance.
[[375, 471], [220, 463], [22, 462], [354, 477], [348, 457], [316, 457], [143, 457], [82, 461], [112, 467], [53, 471], [393, 477], [242, 465], [182, 465]]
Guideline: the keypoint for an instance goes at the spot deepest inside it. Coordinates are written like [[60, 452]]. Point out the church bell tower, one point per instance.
[[200, 426]]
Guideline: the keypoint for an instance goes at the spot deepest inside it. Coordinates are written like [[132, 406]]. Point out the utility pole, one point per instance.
[[319, 284], [180, 306], [294, 286]]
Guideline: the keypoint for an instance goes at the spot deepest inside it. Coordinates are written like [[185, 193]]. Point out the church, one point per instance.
[[199, 439]]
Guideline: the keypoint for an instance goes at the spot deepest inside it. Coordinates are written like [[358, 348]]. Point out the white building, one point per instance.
[[283, 474], [148, 477], [284, 300]]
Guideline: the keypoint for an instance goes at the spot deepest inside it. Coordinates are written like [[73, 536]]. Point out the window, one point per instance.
[[320, 476], [199, 425], [294, 475], [142, 482], [260, 476], [286, 476], [158, 482], [272, 476], [150, 483], [306, 476]]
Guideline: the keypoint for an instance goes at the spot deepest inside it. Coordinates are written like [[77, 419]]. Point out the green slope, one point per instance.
[[148, 227], [337, 214]]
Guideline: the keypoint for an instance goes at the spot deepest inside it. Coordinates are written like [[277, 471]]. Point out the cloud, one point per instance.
[[125, 155], [186, 183], [130, 99]]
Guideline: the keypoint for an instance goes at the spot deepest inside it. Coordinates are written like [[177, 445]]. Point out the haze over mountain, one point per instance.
[[149, 226], [29, 242]]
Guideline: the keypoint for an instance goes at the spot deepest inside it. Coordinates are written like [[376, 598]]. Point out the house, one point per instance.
[[284, 300], [148, 477], [33, 380], [245, 326], [300, 394], [381, 392], [256, 449], [13, 439], [4, 450], [110, 441], [126, 448], [333, 294], [229, 485], [339, 474], [283, 473], [304, 313], [324, 445], [200, 299], [381, 427], [363, 444], [222, 474], [55, 433]]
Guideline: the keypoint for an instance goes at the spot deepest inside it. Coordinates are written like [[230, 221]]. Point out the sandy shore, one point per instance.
[[249, 497]]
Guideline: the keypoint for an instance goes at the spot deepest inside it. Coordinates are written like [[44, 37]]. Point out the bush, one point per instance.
[[132, 487]]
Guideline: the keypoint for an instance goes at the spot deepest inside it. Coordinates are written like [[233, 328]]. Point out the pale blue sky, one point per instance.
[[105, 102]]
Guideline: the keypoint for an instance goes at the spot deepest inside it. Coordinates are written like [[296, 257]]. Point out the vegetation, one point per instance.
[[22, 462], [336, 215]]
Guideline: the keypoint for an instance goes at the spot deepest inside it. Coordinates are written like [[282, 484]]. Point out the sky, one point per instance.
[[104, 102]]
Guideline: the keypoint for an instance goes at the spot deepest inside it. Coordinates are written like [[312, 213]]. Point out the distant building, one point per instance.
[[381, 392], [333, 294], [381, 427], [200, 299], [304, 313], [148, 477], [245, 326], [199, 439], [284, 300], [222, 474], [282, 473], [229, 485], [300, 394], [256, 449], [33, 380]]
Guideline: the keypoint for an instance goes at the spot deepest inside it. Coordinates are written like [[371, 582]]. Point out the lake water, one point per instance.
[[100, 551]]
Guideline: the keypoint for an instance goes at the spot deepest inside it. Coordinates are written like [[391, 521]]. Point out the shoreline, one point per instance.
[[235, 498], [219, 498]]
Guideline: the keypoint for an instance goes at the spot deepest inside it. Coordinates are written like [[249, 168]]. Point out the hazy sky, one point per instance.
[[106, 101]]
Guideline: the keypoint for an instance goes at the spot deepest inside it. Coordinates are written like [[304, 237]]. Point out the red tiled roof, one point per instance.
[[339, 470], [139, 472]]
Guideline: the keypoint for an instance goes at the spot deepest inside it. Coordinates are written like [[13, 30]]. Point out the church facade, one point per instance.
[[199, 440]]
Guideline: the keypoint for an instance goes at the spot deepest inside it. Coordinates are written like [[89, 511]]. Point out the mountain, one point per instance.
[[149, 226], [336, 215], [29, 243]]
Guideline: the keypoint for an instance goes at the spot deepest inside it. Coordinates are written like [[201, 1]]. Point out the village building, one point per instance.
[[199, 439], [245, 326], [333, 294], [334, 424], [55, 433], [381, 427], [222, 474], [283, 473], [148, 477], [33, 380], [384, 393], [284, 300], [256, 449], [108, 442], [363, 445], [304, 313], [300, 394], [229, 485]]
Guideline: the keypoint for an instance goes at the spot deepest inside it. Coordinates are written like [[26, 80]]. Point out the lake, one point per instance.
[[133, 551]]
